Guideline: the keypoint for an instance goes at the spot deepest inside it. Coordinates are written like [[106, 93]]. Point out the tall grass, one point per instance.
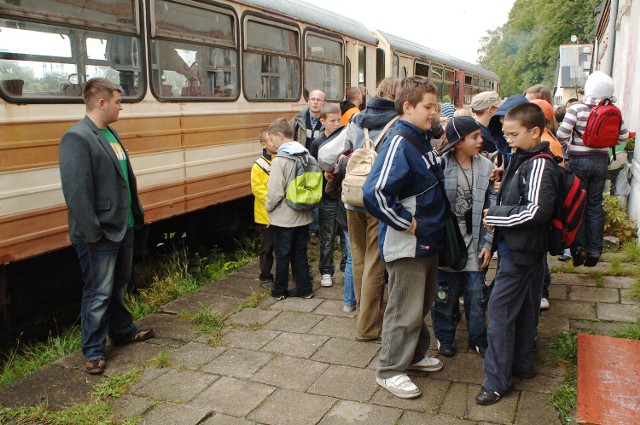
[[565, 352]]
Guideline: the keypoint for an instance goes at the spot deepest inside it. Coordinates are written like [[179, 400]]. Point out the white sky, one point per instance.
[[449, 26]]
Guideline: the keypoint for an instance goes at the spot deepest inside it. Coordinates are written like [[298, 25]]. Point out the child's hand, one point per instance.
[[485, 256], [328, 176], [412, 228], [484, 221], [496, 174]]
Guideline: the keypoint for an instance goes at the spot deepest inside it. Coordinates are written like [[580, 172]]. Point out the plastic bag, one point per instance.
[[623, 181]]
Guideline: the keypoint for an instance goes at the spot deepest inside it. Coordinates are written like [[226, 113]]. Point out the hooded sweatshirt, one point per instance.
[[282, 167]]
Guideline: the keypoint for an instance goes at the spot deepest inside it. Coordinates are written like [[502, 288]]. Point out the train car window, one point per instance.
[[347, 82], [436, 73], [395, 67], [380, 65], [449, 75], [422, 69], [324, 66], [271, 67], [362, 65], [405, 73], [194, 54], [52, 61]]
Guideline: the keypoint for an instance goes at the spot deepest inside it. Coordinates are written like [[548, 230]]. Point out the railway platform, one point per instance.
[[296, 362]]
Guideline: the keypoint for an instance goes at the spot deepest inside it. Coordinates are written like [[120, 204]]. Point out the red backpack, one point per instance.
[[567, 218], [603, 126]]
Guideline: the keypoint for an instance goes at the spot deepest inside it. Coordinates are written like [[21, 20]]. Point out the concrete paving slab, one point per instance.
[[587, 293], [292, 373], [626, 297], [574, 309], [173, 413], [503, 412], [249, 338], [168, 327], [231, 396], [149, 374], [433, 393], [234, 286], [295, 345], [334, 292], [292, 321], [342, 327], [194, 303], [238, 362], [195, 354], [351, 412], [539, 384], [463, 367], [333, 308], [128, 357], [129, 406], [49, 384], [297, 304], [619, 281], [552, 325], [618, 312], [346, 383], [346, 352], [288, 407], [598, 327], [252, 317], [534, 409], [571, 279], [558, 292], [451, 405], [219, 419], [416, 418], [177, 386]]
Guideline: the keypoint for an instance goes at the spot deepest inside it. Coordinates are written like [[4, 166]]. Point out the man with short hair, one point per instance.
[[351, 105], [484, 105], [100, 190], [306, 124]]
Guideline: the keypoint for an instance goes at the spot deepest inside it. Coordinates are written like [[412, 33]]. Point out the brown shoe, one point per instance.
[[95, 367], [143, 335]]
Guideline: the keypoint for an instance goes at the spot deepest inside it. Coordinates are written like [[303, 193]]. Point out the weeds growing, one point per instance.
[[565, 352]]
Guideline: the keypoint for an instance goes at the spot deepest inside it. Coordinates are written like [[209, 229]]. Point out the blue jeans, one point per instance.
[[290, 246], [327, 235], [450, 287], [106, 269], [315, 224], [349, 295], [593, 174]]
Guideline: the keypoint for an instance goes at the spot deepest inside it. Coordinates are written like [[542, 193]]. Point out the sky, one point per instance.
[[449, 26]]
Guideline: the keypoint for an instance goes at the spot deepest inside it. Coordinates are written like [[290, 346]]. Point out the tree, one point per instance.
[[524, 51]]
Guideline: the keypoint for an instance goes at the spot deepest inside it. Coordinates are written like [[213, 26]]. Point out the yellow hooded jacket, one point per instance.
[[259, 179]]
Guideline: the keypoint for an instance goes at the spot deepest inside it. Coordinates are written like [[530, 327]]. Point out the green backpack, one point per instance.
[[304, 190]]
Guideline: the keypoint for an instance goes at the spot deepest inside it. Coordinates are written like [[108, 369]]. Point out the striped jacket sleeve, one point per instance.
[[540, 195]]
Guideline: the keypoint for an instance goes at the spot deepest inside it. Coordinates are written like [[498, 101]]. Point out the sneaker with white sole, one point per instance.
[[544, 304], [428, 364], [400, 386], [349, 308], [326, 281]]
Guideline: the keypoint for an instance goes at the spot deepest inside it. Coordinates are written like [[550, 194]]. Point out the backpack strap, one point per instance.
[[263, 164], [382, 133]]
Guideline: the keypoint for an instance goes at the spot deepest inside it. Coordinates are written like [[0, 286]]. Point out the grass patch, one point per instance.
[[207, 321], [634, 291], [252, 301], [631, 332], [631, 251], [565, 352], [97, 411], [28, 358], [161, 360]]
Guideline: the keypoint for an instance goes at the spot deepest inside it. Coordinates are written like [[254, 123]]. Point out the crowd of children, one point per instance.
[[487, 171]]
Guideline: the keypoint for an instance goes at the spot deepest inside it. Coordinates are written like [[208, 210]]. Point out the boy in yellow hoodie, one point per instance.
[[259, 179]]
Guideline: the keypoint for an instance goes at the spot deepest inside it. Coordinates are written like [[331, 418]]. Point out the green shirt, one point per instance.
[[122, 159]]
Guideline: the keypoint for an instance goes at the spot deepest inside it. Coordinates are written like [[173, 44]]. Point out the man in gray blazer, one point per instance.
[[100, 190]]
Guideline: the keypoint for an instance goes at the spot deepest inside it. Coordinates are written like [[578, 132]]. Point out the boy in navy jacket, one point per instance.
[[521, 216], [403, 192]]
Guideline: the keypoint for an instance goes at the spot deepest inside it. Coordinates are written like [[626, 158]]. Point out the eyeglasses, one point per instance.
[[514, 137]]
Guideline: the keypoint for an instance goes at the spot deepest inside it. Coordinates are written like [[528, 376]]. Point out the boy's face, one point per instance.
[[519, 136], [331, 123], [421, 114], [277, 140], [470, 145], [267, 145]]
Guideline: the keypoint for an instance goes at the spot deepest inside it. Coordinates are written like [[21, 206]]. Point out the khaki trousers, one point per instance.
[[368, 273]]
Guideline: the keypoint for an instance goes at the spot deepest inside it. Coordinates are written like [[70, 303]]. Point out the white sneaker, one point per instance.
[[326, 281], [461, 300], [400, 386], [428, 364], [544, 304], [349, 308]]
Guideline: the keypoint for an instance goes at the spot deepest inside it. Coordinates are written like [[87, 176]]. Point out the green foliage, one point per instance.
[[631, 332], [616, 220], [524, 51], [116, 385], [161, 360], [30, 357], [564, 400], [631, 251], [565, 352]]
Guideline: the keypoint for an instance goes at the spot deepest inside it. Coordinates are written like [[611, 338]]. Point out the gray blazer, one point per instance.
[[94, 185]]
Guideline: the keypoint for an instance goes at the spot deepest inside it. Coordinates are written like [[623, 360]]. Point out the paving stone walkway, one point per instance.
[[296, 362]]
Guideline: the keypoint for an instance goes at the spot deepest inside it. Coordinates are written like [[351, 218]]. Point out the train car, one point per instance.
[[201, 78]]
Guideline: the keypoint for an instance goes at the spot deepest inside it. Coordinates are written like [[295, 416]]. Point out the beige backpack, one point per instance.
[[359, 166]]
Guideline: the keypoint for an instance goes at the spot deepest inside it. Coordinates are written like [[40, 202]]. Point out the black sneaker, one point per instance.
[[487, 396], [591, 261], [446, 349], [267, 284], [481, 350], [294, 293], [279, 297], [579, 256]]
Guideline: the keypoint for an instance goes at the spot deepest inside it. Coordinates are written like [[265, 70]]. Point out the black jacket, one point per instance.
[[525, 205]]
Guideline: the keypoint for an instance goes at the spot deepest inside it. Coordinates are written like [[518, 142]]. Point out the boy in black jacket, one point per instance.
[[521, 216]]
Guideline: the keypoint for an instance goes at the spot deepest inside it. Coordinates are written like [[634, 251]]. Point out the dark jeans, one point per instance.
[[450, 287], [327, 235], [290, 245], [513, 308], [546, 279], [266, 251], [593, 174], [106, 269]]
